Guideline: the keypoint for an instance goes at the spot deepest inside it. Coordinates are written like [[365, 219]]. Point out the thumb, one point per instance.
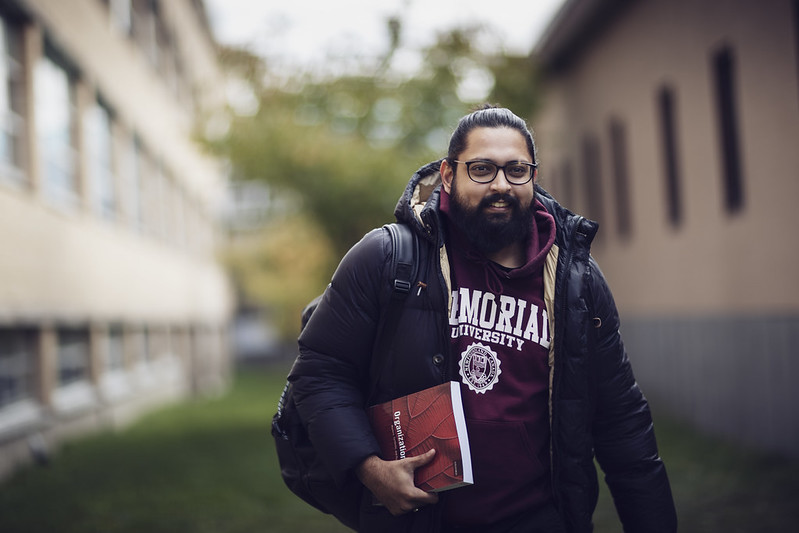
[[421, 460]]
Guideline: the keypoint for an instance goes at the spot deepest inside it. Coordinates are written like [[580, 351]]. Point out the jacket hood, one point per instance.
[[418, 205]]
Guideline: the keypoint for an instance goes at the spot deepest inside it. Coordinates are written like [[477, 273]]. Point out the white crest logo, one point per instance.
[[479, 367]]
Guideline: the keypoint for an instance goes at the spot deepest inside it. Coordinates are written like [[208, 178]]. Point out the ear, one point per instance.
[[535, 175], [447, 176]]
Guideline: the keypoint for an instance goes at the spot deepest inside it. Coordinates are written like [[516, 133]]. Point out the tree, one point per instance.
[[516, 84], [345, 146]]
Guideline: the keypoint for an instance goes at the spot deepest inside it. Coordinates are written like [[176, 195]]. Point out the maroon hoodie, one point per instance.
[[499, 334]]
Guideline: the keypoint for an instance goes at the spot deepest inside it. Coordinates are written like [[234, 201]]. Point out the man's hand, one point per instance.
[[391, 482]]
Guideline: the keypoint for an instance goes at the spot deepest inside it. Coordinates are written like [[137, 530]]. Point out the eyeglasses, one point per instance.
[[516, 172]]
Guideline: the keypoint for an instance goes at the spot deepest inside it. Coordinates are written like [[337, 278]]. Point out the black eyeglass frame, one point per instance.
[[497, 168]]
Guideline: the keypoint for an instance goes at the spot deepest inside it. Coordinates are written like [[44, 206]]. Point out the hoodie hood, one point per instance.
[[542, 237]]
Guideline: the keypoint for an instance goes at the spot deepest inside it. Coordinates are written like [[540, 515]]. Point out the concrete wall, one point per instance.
[[709, 301], [106, 314]]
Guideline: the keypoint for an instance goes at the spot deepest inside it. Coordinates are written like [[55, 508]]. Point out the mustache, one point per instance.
[[496, 197]]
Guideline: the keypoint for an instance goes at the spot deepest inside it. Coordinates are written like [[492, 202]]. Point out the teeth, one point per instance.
[[499, 204]]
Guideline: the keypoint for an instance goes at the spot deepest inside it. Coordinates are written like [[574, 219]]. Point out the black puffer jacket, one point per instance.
[[596, 406]]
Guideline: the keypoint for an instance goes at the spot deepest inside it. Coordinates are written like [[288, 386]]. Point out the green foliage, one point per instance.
[[345, 147], [516, 84], [345, 185], [282, 267], [206, 466]]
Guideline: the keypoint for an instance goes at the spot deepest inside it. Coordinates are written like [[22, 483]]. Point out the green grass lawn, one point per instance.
[[209, 466], [719, 487], [204, 466]]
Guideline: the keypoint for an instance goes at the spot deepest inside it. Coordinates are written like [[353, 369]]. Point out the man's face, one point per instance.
[[496, 214]]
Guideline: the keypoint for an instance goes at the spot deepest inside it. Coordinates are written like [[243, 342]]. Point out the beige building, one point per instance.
[[111, 301], [674, 123]]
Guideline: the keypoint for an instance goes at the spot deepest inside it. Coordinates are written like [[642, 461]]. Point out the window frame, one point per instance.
[[19, 349], [723, 68], [13, 122], [58, 158], [617, 133], [667, 119], [98, 135]]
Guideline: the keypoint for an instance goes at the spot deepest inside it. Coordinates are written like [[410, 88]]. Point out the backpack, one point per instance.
[[300, 467]]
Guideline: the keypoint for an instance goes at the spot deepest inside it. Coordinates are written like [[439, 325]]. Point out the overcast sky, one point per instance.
[[307, 31]]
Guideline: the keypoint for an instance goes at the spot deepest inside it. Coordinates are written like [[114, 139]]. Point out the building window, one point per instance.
[[99, 145], [159, 342], [166, 57], [133, 172], [724, 81], [150, 188], [12, 92], [142, 28], [168, 209], [592, 176], [55, 131], [143, 350], [156, 198], [115, 349], [667, 111], [183, 89], [180, 216], [18, 349], [190, 215], [621, 180], [73, 355]]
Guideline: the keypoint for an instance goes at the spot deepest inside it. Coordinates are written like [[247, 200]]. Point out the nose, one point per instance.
[[500, 183]]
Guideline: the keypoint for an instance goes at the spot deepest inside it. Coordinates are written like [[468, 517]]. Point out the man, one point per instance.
[[509, 303]]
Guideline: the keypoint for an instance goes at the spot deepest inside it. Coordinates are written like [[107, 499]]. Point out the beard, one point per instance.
[[487, 232]]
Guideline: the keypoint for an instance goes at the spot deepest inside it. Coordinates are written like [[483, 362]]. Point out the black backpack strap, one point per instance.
[[404, 268], [404, 265]]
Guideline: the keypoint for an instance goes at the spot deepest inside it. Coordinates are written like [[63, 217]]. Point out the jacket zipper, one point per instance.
[[560, 306]]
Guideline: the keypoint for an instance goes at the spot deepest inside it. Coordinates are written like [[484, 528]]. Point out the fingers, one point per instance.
[[420, 497], [392, 484], [415, 502], [429, 498]]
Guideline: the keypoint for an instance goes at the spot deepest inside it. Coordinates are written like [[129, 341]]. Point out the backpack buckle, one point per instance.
[[402, 286]]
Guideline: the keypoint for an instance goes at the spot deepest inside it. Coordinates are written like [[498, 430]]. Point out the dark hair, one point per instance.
[[488, 117]]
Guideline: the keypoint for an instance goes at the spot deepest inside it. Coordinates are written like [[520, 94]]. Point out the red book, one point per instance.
[[413, 424]]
